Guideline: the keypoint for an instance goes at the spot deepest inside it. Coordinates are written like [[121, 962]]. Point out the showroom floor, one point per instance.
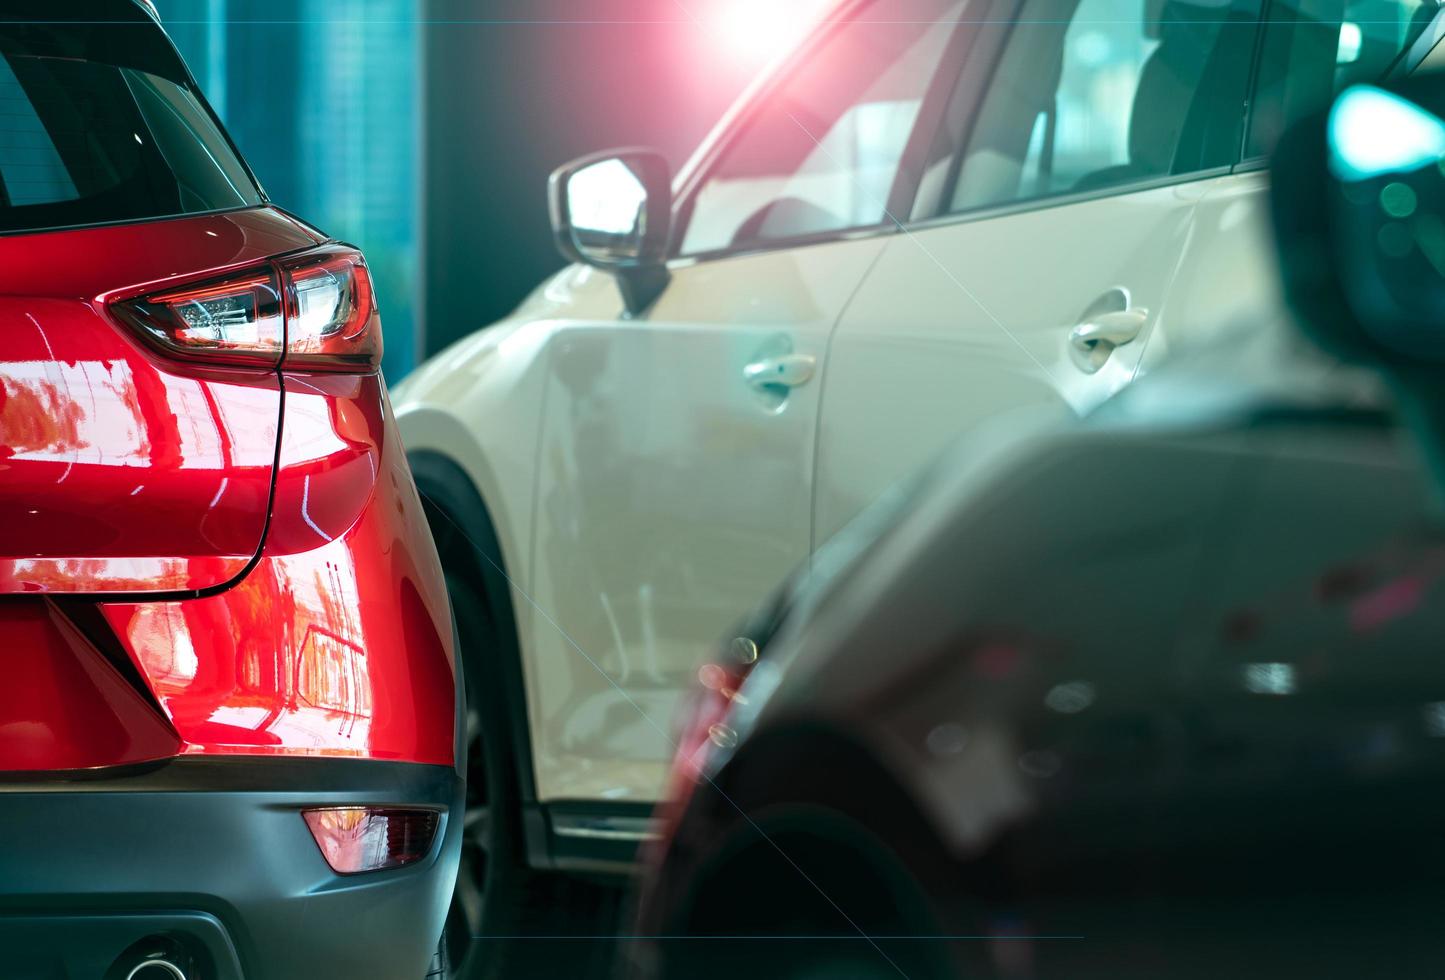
[[570, 931]]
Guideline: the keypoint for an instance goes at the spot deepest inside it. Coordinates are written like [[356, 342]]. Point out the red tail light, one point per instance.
[[311, 312], [354, 839], [705, 718], [236, 320], [332, 323]]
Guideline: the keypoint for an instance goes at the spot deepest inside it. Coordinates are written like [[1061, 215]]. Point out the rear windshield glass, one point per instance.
[[98, 123]]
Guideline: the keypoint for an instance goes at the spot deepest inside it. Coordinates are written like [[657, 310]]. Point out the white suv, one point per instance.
[[933, 213]]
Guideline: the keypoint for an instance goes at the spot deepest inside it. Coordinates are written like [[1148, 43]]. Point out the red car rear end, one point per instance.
[[228, 703]]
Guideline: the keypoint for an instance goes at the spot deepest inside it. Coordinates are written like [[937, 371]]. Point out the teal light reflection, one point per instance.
[[1374, 132]]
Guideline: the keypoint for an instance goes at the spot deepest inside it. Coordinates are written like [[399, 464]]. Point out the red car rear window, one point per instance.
[[99, 123]]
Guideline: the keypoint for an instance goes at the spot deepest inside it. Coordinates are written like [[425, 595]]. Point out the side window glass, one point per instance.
[[821, 152], [1315, 48], [1091, 94]]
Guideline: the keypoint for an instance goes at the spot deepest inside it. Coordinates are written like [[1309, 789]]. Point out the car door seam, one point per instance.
[[1184, 251], [823, 361], [536, 492]]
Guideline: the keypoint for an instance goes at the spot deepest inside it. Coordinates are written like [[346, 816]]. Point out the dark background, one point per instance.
[[509, 102], [423, 130]]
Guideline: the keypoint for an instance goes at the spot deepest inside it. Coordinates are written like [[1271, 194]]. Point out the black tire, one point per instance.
[[493, 878], [502, 908]]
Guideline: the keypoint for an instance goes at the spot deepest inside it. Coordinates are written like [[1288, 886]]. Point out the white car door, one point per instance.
[[675, 456], [1057, 206]]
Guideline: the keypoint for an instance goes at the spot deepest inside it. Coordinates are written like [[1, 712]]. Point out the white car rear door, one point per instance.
[[1056, 209]]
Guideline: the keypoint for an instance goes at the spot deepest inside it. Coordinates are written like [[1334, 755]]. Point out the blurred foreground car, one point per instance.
[[1147, 700], [228, 718], [941, 212]]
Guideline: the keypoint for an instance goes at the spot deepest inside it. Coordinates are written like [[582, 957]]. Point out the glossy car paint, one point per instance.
[[908, 358], [121, 471], [220, 604], [571, 420], [906, 378], [338, 641], [64, 705], [128, 472], [655, 527]]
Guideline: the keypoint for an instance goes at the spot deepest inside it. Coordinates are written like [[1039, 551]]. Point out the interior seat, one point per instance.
[[1186, 110]]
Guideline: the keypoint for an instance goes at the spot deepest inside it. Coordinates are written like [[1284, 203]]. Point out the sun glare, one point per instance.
[[756, 31]]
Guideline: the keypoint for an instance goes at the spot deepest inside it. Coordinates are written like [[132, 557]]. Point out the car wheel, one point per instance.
[[492, 876], [502, 909]]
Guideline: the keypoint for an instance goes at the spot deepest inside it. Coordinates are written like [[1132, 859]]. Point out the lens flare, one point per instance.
[[1374, 132], [756, 31]]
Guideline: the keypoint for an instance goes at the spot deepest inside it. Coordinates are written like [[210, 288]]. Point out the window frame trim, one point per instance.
[[1068, 200], [733, 126], [1000, 30]]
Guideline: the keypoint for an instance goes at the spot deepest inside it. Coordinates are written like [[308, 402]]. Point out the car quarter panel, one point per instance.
[[478, 404], [338, 642]]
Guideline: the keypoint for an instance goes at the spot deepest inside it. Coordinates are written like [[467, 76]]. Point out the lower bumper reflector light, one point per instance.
[[356, 839]]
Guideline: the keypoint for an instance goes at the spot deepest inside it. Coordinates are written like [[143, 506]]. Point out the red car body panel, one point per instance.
[[229, 707], [127, 477], [121, 471], [338, 642], [63, 705]]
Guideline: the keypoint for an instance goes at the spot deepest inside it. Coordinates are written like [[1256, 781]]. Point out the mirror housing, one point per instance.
[[613, 211], [1358, 201], [1359, 212]]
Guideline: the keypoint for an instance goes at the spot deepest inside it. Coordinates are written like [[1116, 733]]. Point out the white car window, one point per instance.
[[1093, 94], [1314, 48], [822, 151]]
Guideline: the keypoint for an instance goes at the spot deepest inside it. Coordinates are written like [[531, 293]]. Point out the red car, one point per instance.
[[228, 695]]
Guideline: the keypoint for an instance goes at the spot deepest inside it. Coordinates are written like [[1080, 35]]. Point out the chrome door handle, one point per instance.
[[787, 371], [1095, 339]]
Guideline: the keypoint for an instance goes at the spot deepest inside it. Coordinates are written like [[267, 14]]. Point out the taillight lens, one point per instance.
[[331, 319], [356, 839], [311, 312], [705, 726], [705, 718], [236, 320]]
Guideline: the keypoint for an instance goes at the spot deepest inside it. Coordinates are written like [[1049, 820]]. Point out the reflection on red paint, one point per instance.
[[123, 471], [120, 471], [338, 642]]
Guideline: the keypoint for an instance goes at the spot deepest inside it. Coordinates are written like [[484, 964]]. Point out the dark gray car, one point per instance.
[[1149, 699]]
